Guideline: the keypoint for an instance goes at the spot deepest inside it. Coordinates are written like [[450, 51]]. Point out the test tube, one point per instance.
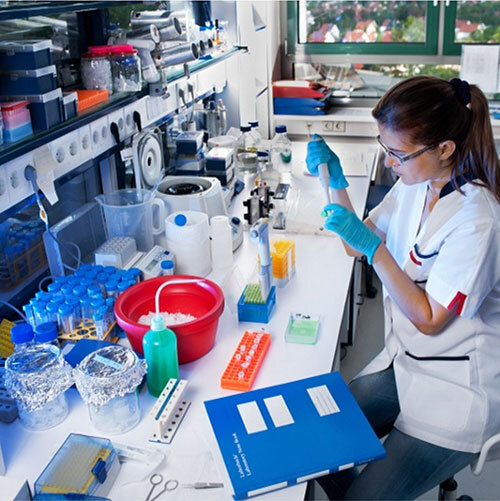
[[103, 310], [111, 289], [28, 312], [96, 303], [136, 274], [39, 312], [77, 311], [86, 308], [122, 287], [52, 309], [66, 318], [99, 325], [167, 267], [110, 305]]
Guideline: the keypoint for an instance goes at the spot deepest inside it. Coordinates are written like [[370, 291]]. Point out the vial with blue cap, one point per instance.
[[54, 288], [39, 312], [86, 308], [122, 287], [52, 309], [135, 274], [96, 303], [77, 311], [100, 330], [94, 290], [167, 267], [66, 318], [21, 336], [47, 333], [79, 290], [111, 289], [28, 313]]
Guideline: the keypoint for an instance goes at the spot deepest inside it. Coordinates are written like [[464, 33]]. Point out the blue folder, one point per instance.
[[281, 435]]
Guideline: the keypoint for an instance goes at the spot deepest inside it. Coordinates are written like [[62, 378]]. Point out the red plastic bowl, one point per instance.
[[204, 300]]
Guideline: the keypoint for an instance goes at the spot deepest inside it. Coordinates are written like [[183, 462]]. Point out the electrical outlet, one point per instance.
[[328, 126], [66, 153], [100, 136], [118, 117], [4, 189], [339, 126], [85, 143], [17, 184]]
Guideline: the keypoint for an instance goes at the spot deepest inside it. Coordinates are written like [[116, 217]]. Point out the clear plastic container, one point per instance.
[[126, 69], [37, 378], [129, 213], [107, 380], [246, 151], [281, 151], [96, 72]]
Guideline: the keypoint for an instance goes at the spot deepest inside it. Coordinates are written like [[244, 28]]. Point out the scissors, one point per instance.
[[157, 479]]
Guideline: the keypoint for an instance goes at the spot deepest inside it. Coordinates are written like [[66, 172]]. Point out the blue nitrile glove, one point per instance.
[[318, 153], [352, 230]]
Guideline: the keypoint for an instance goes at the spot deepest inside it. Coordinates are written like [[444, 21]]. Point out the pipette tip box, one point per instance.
[[302, 328], [254, 312], [82, 465]]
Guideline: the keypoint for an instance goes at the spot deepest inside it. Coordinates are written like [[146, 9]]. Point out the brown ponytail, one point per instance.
[[431, 111]]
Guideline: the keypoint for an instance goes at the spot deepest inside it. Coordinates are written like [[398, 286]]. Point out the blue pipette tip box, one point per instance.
[[260, 313]]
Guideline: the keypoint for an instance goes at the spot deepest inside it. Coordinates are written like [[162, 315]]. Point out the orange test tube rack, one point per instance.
[[239, 376]]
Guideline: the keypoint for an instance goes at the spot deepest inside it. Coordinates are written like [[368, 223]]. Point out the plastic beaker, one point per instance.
[[129, 213]]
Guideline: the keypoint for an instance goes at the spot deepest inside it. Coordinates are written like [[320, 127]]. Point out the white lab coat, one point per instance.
[[449, 383]]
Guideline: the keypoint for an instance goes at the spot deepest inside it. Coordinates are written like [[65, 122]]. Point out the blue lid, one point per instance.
[[280, 128], [86, 282], [99, 268], [109, 269], [27, 307], [65, 309], [43, 296], [39, 306], [46, 332], [166, 253], [79, 290], [85, 267], [180, 220], [54, 287], [110, 302], [21, 333], [103, 310], [136, 271], [93, 289], [57, 300], [73, 301], [67, 289], [97, 302], [123, 286], [111, 285], [167, 264], [245, 128], [97, 316], [52, 307], [254, 124], [102, 277], [85, 301], [60, 280]]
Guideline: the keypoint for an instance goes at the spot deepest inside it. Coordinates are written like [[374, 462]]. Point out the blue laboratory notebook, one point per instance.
[[286, 434]]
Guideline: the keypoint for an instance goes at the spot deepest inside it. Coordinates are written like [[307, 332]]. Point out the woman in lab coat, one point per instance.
[[434, 241]]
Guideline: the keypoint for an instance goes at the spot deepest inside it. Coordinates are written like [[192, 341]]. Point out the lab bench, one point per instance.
[[320, 286]]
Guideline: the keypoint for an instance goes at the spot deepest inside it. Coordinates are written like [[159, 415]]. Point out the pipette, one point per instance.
[[259, 232]]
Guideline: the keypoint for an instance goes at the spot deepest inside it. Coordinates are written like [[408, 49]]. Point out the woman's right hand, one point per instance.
[[319, 153]]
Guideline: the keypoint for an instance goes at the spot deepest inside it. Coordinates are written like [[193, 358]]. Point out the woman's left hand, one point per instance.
[[352, 230]]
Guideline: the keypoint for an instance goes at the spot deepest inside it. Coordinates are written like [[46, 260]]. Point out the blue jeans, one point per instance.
[[411, 467]]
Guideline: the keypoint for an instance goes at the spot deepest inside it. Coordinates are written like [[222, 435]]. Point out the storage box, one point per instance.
[[69, 105], [37, 81], [189, 143], [89, 98], [219, 158], [25, 54], [45, 109], [15, 114], [224, 176]]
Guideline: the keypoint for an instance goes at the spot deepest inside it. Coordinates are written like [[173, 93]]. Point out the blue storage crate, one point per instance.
[[38, 81], [25, 54], [252, 312]]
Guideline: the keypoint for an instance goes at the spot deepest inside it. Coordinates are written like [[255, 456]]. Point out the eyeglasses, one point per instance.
[[403, 158]]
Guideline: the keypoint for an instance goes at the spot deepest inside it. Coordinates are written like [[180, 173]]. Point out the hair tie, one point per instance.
[[462, 90]]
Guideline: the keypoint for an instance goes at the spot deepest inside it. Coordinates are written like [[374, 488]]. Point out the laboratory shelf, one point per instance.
[[19, 10], [10, 151]]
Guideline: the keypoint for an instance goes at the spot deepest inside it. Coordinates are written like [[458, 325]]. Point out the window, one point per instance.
[[471, 22], [363, 27]]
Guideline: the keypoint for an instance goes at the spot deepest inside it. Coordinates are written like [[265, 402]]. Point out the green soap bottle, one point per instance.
[[160, 350]]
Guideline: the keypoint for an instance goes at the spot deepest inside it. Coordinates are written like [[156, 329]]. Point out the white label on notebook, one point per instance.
[[323, 400], [251, 416], [262, 490], [313, 475], [346, 466], [278, 410]]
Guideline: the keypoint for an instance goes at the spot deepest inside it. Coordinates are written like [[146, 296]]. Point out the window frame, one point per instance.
[[430, 47]]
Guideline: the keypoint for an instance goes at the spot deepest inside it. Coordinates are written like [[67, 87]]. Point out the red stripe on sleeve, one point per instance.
[[459, 300], [414, 259]]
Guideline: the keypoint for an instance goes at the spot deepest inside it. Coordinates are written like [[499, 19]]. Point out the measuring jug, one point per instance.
[[129, 213]]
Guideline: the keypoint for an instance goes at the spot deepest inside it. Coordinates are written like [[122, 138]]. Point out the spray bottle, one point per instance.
[[160, 348]]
